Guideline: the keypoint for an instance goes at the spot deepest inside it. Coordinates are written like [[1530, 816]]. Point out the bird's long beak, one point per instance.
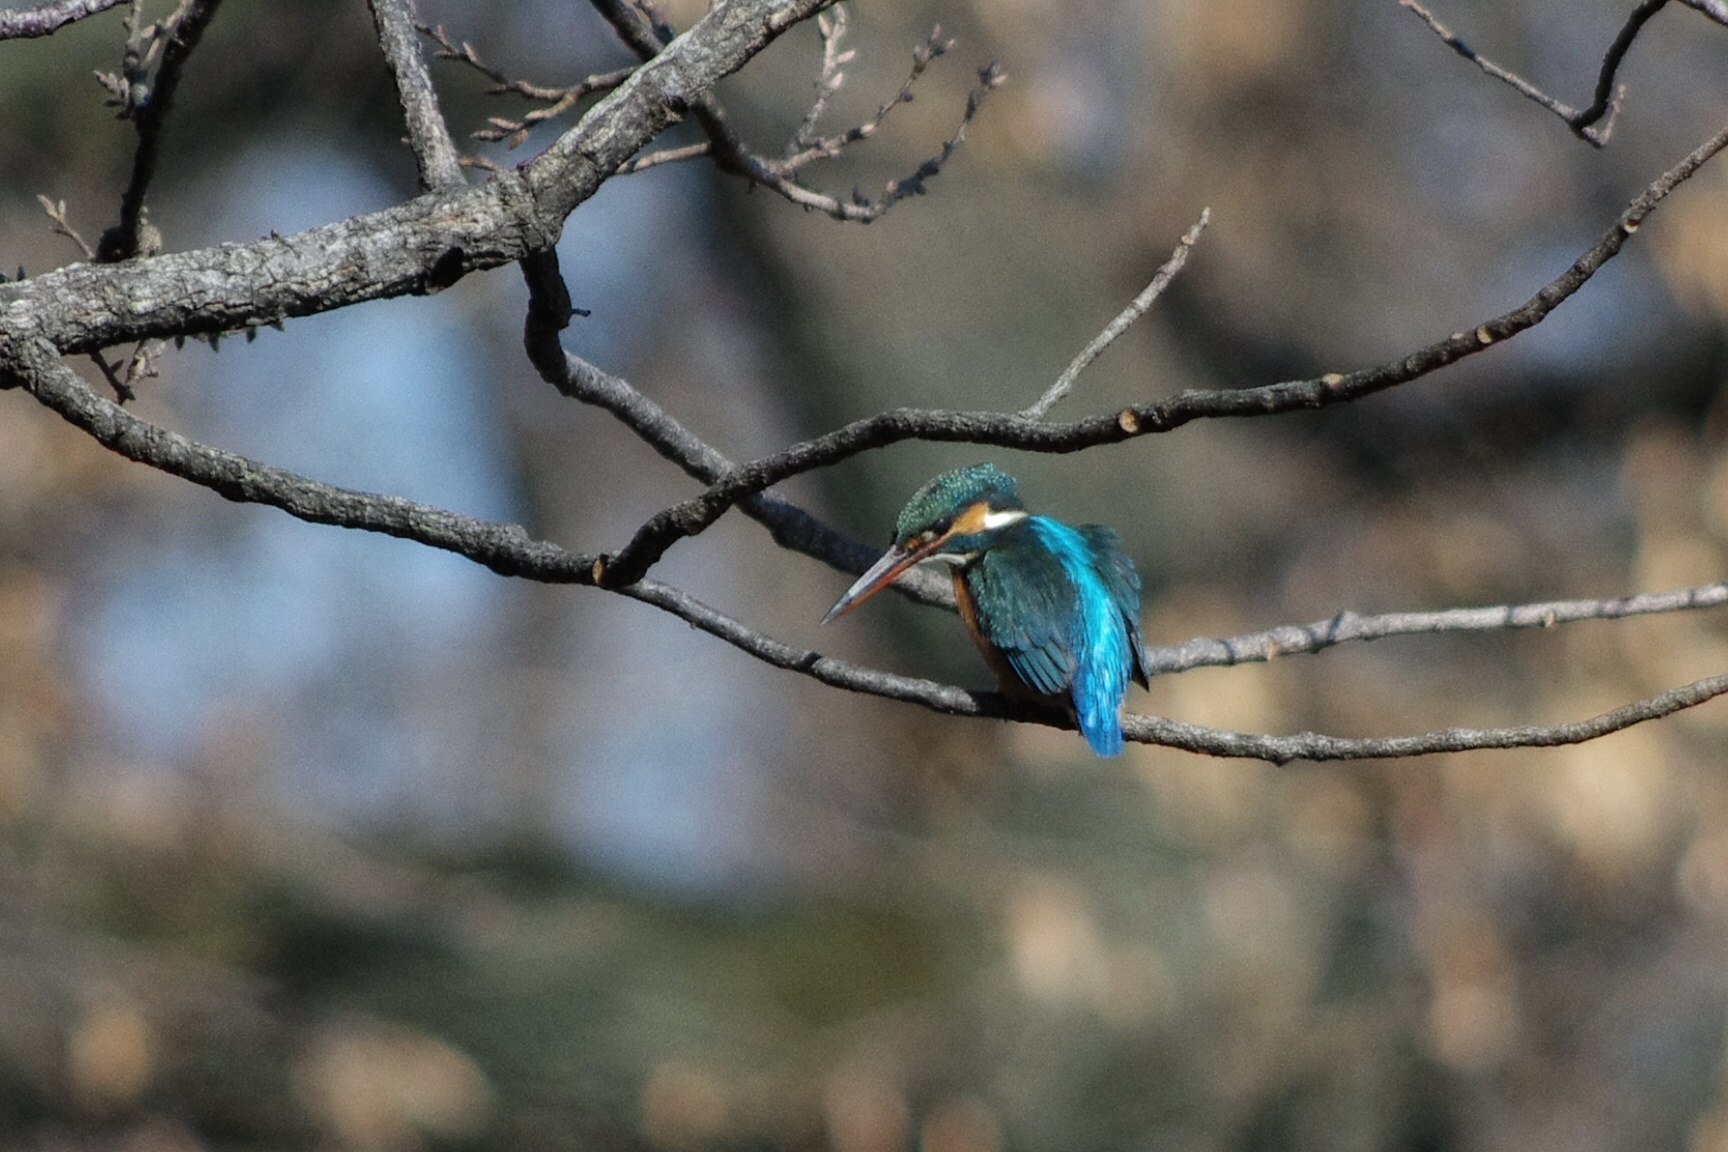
[[879, 576]]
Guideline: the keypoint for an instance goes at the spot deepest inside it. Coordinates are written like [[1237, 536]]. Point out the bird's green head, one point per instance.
[[957, 507], [951, 518]]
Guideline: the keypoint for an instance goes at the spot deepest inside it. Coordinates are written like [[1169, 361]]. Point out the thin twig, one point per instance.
[[19, 23], [665, 156], [122, 391], [149, 109], [1607, 99], [646, 35], [1346, 627], [805, 146], [428, 133], [1126, 317], [831, 28], [558, 100], [1014, 431], [56, 210]]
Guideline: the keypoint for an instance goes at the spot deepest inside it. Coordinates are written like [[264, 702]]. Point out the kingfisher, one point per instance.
[[1054, 609]]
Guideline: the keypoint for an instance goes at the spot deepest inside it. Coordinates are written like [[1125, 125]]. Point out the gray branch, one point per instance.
[[1606, 104], [18, 23], [508, 550], [1136, 309], [697, 514], [1291, 639], [419, 247], [1715, 9], [428, 133], [429, 243], [178, 37]]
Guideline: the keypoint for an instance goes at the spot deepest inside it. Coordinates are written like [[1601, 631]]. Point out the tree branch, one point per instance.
[[508, 550], [419, 247], [505, 548], [790, 526], [1136, 309], [1158, 730], [149, 110], [557, 100], [1315, 746], [428, 133], [1290, 639], [645, 35], [1020, 432], [1714, 9], [1607, 100], [19, 23]]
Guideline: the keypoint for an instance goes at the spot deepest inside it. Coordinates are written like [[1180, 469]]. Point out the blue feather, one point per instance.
[[1061, 604]]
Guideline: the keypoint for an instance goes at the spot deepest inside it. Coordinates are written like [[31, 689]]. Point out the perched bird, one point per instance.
[[1054, 609]]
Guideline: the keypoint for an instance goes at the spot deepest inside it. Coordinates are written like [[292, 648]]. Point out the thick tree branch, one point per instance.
[[1020, 432], [428, 133], [17, 23], [504, 548], [419, 247]]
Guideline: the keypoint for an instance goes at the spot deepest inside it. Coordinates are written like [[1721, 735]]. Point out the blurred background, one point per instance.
[[310, 839]]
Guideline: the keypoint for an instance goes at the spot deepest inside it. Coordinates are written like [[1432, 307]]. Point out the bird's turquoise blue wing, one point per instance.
[[1116, 569]]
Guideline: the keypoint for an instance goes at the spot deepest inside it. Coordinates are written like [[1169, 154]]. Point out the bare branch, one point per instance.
[[1126, 317], [831, 28], [1315, 746], [1607, 100], [19, 23], [148, 107], [508, 550], [558, 100], [666, 156], [1290, 639], [1158, 730], [791, 527], [1014, 431], [805, 145], [35, 366], [419, 247], [428, 134], [643, 33], [56, 211], [1715, 9]]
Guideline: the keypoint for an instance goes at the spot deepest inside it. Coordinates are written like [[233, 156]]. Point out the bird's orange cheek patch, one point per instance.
[[971, 521]]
